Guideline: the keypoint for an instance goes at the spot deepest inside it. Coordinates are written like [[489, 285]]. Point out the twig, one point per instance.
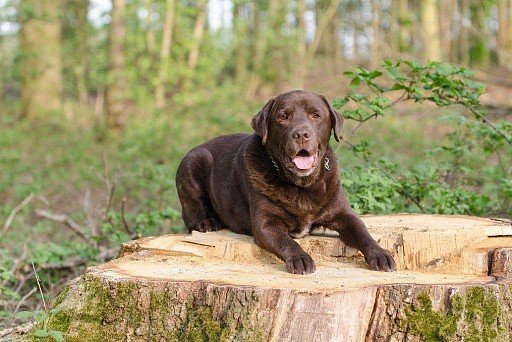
[[73, 262], [64, 219], [16, 264], [490, 124], [133, 234], [20, 329], [30, 293], [87, 210], [37, 280], [20, 206]]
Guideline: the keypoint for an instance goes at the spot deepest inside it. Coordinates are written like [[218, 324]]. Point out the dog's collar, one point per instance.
[[326, 163]]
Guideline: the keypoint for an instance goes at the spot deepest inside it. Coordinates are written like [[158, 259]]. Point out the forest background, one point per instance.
[[100, 100]]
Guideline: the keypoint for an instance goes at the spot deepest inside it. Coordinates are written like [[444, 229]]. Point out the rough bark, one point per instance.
[[219, 286], [41, 65]]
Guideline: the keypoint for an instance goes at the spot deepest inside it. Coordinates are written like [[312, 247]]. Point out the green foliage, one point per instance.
[[42, 320], [444, 183]]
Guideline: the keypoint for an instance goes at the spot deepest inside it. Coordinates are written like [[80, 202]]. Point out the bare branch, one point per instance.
[[20, 206], [65, 220]]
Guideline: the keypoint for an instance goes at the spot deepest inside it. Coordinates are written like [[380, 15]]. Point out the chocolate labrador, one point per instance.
[[276, 184]]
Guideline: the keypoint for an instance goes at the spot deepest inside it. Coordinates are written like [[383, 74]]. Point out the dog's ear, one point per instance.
[[260, 121], [336, 119]]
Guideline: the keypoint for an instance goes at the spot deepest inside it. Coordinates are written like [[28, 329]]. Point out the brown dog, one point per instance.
[[276, 184]]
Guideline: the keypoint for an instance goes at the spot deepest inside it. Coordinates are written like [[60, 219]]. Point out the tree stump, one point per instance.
[[454, 282]]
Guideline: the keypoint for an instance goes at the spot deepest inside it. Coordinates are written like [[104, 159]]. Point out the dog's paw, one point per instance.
[[207, 225], [300, 264], [380, 259]]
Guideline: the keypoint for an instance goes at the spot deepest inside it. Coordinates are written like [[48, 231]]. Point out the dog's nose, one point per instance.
[[301, 135]]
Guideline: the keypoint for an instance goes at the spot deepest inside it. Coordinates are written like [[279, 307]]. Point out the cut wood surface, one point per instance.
[[453, 283]]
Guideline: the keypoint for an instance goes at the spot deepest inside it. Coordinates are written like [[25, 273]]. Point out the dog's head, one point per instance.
[[295, 128]]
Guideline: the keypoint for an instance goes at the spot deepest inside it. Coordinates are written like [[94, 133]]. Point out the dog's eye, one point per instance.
[[282, 117], [315, 115]]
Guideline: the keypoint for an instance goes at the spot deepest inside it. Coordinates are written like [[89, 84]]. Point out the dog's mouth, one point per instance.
[[303, 160]]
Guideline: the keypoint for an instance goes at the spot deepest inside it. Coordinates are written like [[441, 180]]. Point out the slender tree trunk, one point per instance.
[[118, 97], [376, 41], [165, 52], [197, 34], [393, 31], [480, 35], [41, 66], [82, 36], [322, 25], [241, 53], [464, 33], [260, 47], [430, 27], [446, 15], [503, 32], [150, 32], [336, 43], [300, 73], [405, 21]]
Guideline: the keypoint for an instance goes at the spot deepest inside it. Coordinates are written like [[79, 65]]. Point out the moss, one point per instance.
[[472, 316], [429, 324], [109, 312], [199, 326]]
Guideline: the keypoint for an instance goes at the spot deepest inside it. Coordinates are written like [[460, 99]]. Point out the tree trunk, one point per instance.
[[446, 16], [376, 34], [323, 23], [165, 53], [197, 34], [118, 96], [241, 46], [301, 67], [83, 60], [405, 20], [394, 26], [504, 58], [430, 27], [464, 33], [41, 65], [219, 286], [260, 47]]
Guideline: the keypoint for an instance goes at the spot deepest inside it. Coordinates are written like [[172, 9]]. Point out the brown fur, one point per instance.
[[232, 182]]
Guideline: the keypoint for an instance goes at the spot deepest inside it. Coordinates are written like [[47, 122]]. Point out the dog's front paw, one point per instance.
[[206, 225], [300, 264], [379, 259]]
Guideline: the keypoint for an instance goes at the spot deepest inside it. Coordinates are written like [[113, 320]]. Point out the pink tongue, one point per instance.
[[304, 163]]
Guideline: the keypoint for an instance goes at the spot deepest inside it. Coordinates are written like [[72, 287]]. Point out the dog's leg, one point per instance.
[[272, 235], [354, 233], [197, 211]]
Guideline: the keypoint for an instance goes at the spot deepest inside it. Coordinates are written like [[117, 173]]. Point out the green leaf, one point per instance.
[[39, 316], [41, 333], [56, 310], [25, 314], [56, 335], [374, 74], [339, 102], [355, 82]]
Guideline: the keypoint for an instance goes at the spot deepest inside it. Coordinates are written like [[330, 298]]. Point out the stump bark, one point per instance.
[[454, 282]]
